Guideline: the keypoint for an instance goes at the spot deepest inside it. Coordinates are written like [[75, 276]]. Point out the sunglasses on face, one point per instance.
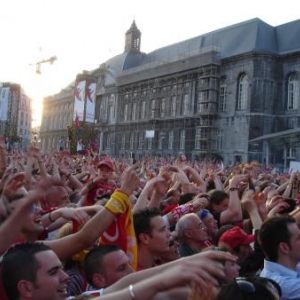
[[245, 286], [248, 287]]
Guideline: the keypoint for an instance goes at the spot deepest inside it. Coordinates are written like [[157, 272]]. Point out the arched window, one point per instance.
[[223, 95], [242, 92], [293, 92]]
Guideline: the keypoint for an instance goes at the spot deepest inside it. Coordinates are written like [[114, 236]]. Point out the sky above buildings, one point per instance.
[[85, 33]]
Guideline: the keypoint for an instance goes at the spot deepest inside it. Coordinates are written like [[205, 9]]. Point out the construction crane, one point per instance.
[[38, 64]]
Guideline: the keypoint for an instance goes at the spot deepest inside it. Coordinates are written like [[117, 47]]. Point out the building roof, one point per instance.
[[286, 137], [124, 61], [249, 36]]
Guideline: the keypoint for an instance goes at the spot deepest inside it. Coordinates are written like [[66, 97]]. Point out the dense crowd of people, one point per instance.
[[89, 225]]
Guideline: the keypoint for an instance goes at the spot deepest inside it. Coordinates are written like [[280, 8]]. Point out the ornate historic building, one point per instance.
[[57, 115], [231, 93]]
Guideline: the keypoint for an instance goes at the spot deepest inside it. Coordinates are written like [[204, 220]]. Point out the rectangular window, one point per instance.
[[291, 152], [152, 110], [141, 140], [223, 98], [185, 105], [111, 113], [173, 106], [242, 93], [149, 143], [204, 145], [160, 143], [242, 98], [219, 145], [171, 140], [143, 110], [108, 141], [182, 140], [126, 112], [123, 142], [131, 140], [202, 101], [133, 113], [162, 107], [197, 138]]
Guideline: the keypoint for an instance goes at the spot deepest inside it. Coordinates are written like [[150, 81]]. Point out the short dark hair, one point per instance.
[[19, 262], [93, 262], [216, 197], [185, 198], [273, 232], [142, 220]]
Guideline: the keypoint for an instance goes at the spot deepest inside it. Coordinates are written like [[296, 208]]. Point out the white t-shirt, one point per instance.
[[95, 293]]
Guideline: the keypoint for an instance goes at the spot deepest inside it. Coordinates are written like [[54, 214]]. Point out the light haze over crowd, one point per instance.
[[85, 33]]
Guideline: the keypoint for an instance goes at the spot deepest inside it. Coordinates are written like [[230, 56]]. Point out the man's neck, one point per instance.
[[288, 262], [146, 259], [198, 246], [29, 237]]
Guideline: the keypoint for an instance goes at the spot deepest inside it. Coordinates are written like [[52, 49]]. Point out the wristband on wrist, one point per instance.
[[90, 185], [233, 189], [49, 217], [118, 202]]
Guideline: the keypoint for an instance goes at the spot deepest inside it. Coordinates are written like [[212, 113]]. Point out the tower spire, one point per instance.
[[133, 38]]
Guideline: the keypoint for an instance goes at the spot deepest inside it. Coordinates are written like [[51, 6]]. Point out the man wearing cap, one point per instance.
[[102, 186], [238, 242]]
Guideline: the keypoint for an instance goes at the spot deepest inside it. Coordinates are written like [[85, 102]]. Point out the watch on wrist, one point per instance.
[[233, 189]]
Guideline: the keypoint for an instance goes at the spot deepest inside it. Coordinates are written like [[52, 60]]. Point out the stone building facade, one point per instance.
[[232, 93], [57, 115]]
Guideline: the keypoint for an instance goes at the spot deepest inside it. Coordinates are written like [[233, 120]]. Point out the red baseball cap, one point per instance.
[[235, 237], [107, 163]]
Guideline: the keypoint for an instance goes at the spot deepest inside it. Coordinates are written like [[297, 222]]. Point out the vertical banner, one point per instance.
[[90, 95], [79, 99], [4, 97]]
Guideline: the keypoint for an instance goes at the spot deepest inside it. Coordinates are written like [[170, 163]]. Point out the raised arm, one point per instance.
[[250, 206], [196, 177], [204, 269], [233, 213], [118, 203], [36, 153]]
